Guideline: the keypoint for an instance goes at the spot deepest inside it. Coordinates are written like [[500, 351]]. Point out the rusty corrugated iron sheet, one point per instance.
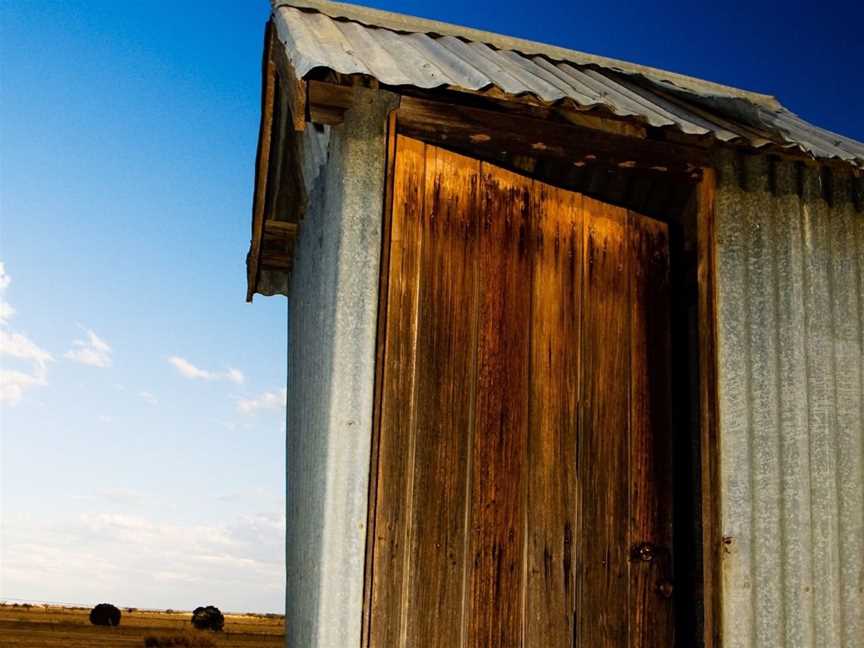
[[790, 282], [403, 51]]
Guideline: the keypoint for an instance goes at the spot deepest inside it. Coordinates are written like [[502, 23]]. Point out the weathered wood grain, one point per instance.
[[496, 581], [446, 323], [524, 416], [602, 605], [396, 441], [556, 246]]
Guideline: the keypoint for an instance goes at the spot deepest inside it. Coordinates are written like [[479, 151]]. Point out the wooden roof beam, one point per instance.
[[281, 229], [327, 102], [495, 132]]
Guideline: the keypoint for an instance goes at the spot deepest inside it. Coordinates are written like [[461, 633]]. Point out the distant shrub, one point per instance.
[[131, 610], [169, 611], [105, 614], [208, 618], [178, 641]]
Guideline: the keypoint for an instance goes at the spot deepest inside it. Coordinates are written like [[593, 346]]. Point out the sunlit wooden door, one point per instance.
[[521, 486]]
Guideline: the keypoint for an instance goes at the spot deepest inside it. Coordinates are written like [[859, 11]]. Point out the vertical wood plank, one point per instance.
[[556, 246], [396, 440], [445, 348], [709, 441], [495, 606], [508, 302], [650, 482], [602, 606]]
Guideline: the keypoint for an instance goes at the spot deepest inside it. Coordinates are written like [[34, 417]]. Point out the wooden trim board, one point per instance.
[[379, 375], [262, 162], [712, 541]]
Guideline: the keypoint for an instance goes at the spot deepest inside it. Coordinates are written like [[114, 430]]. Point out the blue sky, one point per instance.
[[141, 456]]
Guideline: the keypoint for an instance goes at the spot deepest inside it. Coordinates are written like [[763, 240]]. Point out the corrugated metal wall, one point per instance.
[[332, 318], [790, 254]]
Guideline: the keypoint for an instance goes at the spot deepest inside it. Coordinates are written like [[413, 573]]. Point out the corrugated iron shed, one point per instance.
[[790, 298], [398, 50]]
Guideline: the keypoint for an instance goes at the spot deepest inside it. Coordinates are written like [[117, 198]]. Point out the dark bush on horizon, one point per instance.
[[105, 614], [208, 618]]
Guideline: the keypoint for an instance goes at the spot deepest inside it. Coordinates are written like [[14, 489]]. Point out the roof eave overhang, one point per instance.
[[452, 115]]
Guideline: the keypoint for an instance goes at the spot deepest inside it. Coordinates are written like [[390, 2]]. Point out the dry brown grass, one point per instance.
[[61, 627], [185, 640]]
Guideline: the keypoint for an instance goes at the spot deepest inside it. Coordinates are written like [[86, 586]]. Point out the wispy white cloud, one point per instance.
[[20, 346], [148, 398], [188, 370], [128, 558], [92, 350], [5, 279], [265, 401], [6, 310], [14, 382]]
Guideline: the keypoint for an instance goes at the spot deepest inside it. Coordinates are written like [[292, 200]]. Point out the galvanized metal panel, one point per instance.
[[734, 388], [845, 261], [332, 317], [403, 51], [791, 372], [794, 455]]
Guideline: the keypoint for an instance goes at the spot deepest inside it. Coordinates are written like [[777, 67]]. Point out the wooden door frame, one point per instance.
[[380, 345], [709, 428], [710, 521]]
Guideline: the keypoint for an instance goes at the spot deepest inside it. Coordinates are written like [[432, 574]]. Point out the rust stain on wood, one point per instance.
[[501, 425], [556, 302]]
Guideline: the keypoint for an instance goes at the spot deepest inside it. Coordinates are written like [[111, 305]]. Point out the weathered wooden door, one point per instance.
[[521, 493]]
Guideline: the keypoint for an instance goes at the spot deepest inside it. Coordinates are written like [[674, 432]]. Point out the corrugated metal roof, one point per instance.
[[403, 51]]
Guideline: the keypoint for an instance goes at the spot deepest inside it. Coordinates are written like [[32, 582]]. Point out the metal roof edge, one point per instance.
[[410, 24]]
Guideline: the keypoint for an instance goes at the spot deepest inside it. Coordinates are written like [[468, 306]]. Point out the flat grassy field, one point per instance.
[[43, 626]]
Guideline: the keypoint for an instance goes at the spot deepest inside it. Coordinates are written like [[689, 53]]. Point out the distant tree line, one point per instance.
[[207, 617]]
